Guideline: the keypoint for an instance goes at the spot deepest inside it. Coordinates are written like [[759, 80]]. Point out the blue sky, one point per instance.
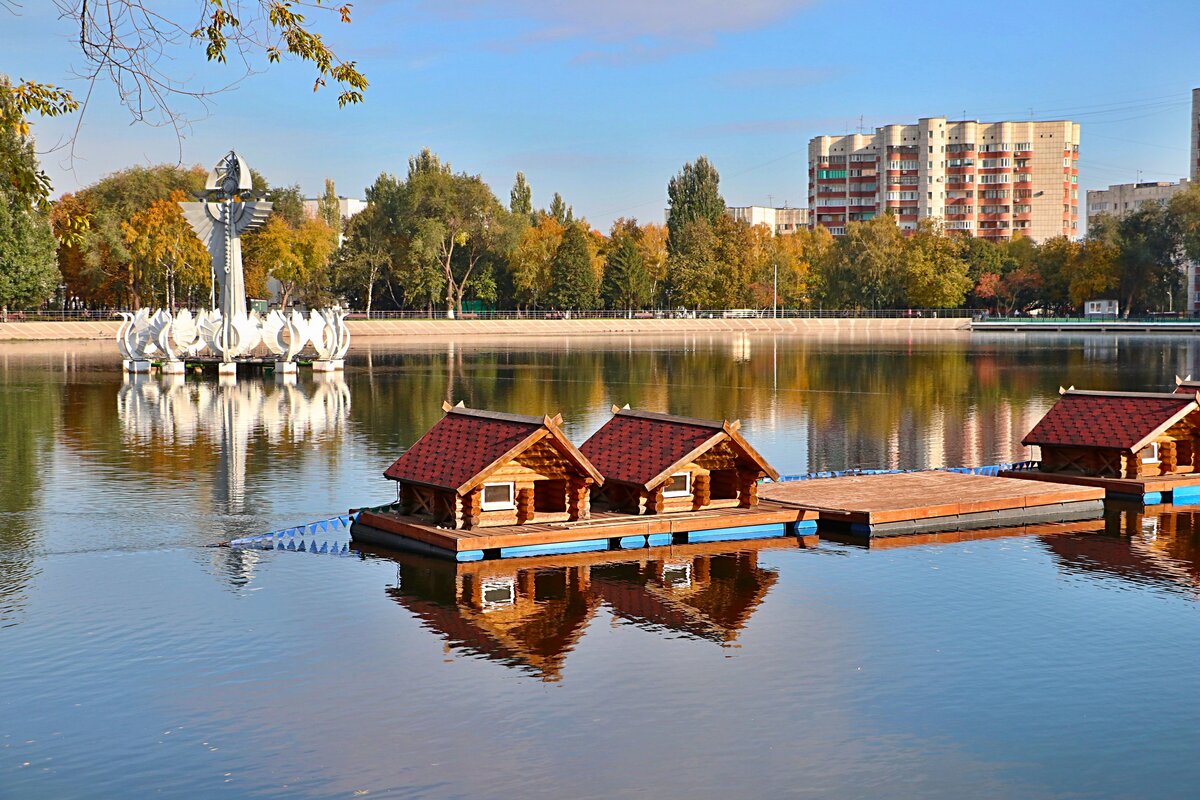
[[604, 103]]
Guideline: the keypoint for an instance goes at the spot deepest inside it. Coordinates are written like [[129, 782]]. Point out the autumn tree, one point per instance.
[[272, 251], [166, 253], [652, 244], [573, 282], [529, 263]]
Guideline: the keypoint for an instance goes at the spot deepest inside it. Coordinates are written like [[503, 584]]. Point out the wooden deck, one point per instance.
[[1164, 486], [603, 531], [919, 502]]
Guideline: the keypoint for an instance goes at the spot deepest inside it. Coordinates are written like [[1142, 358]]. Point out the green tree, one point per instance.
[[329, 208], [692, 266], [864, 268], [287, 202], [626, 283], [451, 221], [935, 274], [1150, 245], [572, 279], [363, 261], [693, 196], [520, 199], [28, 269], [559, 211]]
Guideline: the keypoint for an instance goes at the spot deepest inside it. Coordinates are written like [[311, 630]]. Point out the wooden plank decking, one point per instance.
[[601, 525], [908, 496]]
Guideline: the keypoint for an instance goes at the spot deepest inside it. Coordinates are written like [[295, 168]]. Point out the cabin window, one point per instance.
[[1150, 454], [680, 485], [498, 496], [723, 484]]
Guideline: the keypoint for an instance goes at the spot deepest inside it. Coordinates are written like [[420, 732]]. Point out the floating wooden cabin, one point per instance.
[[658, 463], [478, 469], [1138, 444]]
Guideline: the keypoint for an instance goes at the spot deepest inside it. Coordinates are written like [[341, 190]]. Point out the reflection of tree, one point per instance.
[[925, 402], [29, 413]]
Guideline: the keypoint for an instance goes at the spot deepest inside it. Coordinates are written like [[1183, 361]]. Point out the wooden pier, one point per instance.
[[905, 503], [604, 530]]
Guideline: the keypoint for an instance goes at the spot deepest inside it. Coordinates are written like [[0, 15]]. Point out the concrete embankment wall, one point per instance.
[[448, 328]]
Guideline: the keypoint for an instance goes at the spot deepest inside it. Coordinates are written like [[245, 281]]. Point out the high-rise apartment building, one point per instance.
[[987, 179]]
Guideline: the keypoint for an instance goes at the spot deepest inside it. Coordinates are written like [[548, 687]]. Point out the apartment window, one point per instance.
[[831, 173], [498, 496], [1022, 209], [992, 163], [931, 146], [680, 485], [837, 231], [995, 178], [1024, 145]]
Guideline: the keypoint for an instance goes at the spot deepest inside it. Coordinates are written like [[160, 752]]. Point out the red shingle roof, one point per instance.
[[637, 447], [1116, 420], [462, 444], [1187, 386]]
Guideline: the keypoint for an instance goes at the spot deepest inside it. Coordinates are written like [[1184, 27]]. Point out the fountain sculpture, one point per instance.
[[227, 332]]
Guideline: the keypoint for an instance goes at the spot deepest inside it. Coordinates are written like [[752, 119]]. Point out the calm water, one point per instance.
[[135, 662]]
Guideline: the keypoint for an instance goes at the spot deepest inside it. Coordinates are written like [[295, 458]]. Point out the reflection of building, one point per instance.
[[707, 595], [1155, 545], [531, 612], [173, 414]]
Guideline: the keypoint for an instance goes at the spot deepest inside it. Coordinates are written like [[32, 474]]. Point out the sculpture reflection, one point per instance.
[[172, 416], [529, 613]]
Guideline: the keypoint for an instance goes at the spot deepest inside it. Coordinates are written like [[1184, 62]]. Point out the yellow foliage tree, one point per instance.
[[165, 254], [530, 262]]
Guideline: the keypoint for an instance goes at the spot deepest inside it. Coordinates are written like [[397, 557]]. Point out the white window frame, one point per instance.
[[491, 585], [686, 491], [499, 505], [1153, 459]]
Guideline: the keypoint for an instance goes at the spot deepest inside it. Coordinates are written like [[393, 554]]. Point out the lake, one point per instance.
[[135, 661]]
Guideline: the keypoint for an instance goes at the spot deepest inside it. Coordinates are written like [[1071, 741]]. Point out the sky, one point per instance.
[[604, 102]]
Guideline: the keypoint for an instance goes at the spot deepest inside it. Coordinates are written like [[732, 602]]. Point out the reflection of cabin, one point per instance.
[[657, 463], [482, 468], [1119, 434], [710, 596], [528, 618]]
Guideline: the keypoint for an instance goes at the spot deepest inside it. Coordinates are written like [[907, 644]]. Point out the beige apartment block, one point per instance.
[[1125, 198], [989, 179], [781, 221]]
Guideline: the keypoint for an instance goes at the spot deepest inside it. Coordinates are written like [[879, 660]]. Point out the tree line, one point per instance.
[[438, 240]]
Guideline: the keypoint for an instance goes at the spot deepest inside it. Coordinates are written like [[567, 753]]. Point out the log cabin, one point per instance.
[[479, 468], [658, 463], [1119, 434]]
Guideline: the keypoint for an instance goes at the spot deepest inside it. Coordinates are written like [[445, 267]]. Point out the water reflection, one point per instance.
[[529, 613], [1151, 545], [176, 420]]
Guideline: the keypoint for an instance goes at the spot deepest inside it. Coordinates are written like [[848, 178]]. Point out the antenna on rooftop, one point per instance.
[[770, 201], [861, 128]]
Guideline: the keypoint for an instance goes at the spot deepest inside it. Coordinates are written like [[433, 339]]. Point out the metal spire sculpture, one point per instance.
[[227, 209]]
